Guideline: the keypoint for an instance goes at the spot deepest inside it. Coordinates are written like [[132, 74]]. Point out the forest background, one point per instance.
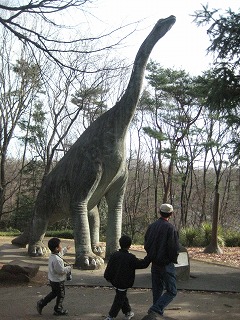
[[183, 143]]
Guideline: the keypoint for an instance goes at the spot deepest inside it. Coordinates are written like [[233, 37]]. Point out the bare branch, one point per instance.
[[56, 49]]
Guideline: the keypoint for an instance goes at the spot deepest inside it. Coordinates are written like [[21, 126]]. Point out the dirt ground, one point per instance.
[[18, 302]]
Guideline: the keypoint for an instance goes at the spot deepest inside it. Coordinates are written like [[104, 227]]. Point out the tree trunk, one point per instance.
[[213, 247]]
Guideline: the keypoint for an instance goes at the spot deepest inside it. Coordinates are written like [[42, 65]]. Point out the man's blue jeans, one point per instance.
[[164, 287]]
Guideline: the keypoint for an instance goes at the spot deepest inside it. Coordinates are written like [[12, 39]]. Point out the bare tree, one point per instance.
[[219, 137], [137, 210], [51, 88], [20, 84], [20, 21]]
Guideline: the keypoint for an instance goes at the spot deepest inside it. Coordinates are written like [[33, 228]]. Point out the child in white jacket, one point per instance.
[[56, 275]]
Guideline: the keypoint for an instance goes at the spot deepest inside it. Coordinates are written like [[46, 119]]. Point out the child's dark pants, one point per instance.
[[120, 303], [58, 290]]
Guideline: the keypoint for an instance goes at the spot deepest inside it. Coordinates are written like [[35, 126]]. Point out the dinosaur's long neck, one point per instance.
[[127, 105]]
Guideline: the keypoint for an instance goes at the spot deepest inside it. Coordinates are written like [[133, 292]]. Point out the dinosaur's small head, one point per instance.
[[165, 24], [171, 19]]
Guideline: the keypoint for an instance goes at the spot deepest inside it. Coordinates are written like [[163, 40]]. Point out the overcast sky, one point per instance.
[[184, 47]]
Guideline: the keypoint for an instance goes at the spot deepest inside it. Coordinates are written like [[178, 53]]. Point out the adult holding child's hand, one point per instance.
[[162, 246]]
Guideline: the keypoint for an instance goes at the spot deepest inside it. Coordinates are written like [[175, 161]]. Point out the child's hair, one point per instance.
[[125, 242], [53, 244]]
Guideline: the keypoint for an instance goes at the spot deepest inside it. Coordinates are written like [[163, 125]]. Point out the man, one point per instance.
[[162, 246]]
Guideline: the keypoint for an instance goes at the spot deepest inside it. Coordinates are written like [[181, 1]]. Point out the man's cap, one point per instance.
[[166, 208]]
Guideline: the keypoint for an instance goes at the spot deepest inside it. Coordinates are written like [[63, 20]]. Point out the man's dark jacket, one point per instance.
[[120, 270], [161, 242]]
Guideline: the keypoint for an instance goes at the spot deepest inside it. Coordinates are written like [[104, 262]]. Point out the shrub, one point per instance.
[[199, 237], [206, 232], [207, 235], [188, 236], [232, 239], [65, 234], [21, 216], [10, 232]]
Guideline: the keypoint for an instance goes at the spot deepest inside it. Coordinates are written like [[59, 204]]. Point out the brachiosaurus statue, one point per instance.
[[94, 167]]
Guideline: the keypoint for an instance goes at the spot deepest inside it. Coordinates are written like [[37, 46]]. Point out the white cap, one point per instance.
[[166, 208]]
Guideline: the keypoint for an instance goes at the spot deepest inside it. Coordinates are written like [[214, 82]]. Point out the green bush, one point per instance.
[[21, 216], [206, 234], [10, 232], [63, 224], [188, 236], [65, 234], [232, 239], [199, 237]]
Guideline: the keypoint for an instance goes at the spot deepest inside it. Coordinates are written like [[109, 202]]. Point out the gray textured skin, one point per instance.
[[94, 167]]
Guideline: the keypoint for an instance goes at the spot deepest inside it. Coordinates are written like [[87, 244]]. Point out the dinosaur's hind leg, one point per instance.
[[39, 226], [83, 191], [23, 239], [85, 257], [94, 224]]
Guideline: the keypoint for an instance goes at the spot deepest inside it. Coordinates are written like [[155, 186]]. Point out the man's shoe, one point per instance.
[[149, 317], [39, 306], [152, 315], [60, 312], [129, 315]]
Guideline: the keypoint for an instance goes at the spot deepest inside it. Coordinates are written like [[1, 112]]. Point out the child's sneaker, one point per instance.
[[109, 318], [39, 306], [60, 312], [129, 315]]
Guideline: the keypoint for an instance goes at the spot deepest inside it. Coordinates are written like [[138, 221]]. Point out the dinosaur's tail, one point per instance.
[[23, 239]]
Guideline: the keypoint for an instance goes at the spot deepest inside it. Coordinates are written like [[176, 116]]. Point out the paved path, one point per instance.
[[212, 292], [203, 276]]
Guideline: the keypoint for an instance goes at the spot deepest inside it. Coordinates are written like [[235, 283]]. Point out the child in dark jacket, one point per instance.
[[120, 271]]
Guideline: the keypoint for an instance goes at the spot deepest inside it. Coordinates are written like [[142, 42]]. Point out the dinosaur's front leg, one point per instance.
[[85, 258], [114, 199]]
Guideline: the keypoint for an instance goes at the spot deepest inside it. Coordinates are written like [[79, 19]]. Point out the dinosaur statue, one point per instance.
[[94, 167]]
